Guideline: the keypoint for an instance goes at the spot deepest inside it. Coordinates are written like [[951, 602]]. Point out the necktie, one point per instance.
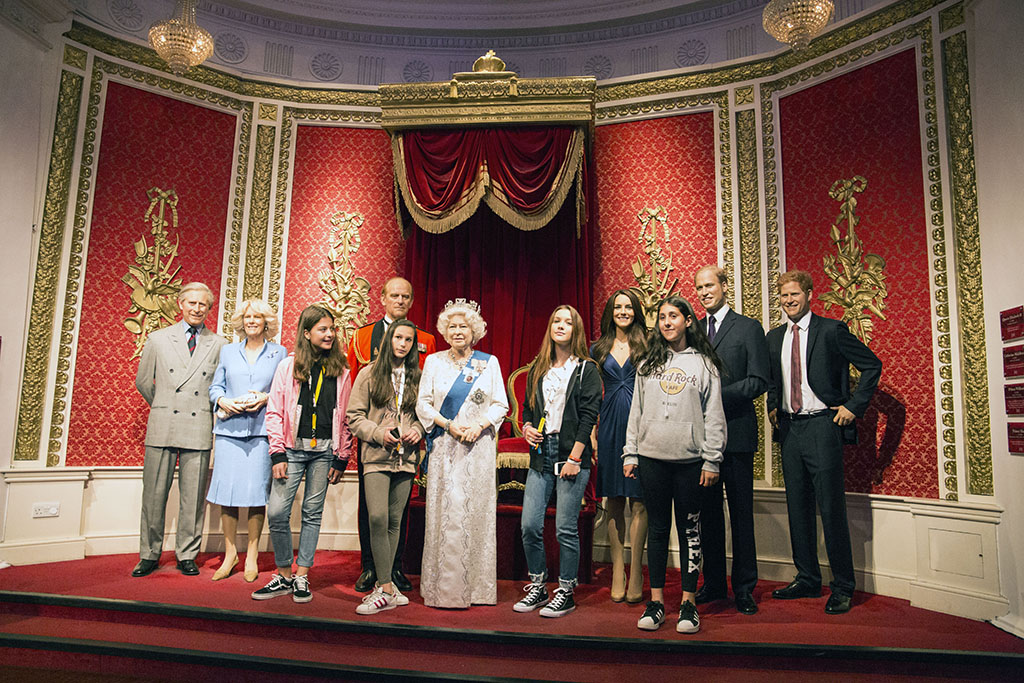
[[796, 377], [192, 332], [711, 328]]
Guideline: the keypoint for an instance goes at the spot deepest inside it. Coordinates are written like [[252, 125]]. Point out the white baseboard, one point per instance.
[[41, 552], [962, 603]]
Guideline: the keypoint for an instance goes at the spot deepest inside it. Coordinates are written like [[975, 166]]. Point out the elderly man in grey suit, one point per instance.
[[174, 376]]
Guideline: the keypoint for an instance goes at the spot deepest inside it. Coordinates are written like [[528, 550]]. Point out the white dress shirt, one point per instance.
[[811, 402]]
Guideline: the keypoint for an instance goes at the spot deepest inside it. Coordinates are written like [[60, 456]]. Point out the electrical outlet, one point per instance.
[[45, 510]]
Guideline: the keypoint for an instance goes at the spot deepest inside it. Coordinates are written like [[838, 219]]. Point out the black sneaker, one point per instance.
[[688, 622], [653, 618], [560, 605], [300, 589], [278, 586], [536, 596]]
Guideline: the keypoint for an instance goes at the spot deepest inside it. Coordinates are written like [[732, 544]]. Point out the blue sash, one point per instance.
[[457, 395]]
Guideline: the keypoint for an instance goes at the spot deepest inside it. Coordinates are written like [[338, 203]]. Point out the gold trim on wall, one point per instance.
[[967, 238], [951, 17], [750, 245], [75, 57], [259, 213], [268, 112], [744, 95], [47, 270]]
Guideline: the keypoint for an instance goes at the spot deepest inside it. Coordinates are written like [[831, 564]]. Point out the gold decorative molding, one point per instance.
[[290, 117], [652, 280], [268, 112], [154, 285], [237, 224], [346, 294], [967, 238], [75, 57], [47, 269], [259, 213], [488, 98], [951, 17], [836, 39], [211, 78], [744, 95], [857, 278], [750, 246]]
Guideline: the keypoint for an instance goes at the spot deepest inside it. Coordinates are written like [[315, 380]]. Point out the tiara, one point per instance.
[[463, 303]]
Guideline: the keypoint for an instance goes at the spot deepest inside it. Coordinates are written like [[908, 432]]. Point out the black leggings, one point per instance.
[[667, 485]]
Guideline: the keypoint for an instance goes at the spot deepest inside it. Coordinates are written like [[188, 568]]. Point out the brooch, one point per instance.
[[477, 396]]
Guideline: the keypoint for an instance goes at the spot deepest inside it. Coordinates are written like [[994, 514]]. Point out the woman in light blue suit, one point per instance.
[[241, 467]]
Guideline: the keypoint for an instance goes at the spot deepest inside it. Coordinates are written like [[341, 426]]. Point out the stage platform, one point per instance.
[[90, 616]]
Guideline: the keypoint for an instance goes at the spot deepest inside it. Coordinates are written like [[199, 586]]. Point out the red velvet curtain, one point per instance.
[[523, 173]]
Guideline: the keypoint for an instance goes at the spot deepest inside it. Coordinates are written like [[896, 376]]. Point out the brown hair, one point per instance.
[[636, 334], [542, 363], [382, 391], [334, 363], [801, 277]]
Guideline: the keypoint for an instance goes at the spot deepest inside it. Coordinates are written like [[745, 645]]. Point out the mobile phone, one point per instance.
[[558, 467], [395, 433]]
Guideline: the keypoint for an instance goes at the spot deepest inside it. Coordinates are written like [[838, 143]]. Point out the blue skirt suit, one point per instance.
[[611, 431], [241, 460]]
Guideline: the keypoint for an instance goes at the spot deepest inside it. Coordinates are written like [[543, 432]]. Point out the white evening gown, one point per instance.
[[459, 553]]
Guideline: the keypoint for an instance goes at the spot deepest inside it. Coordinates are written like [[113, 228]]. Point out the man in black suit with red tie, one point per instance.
[[810, 403], [739, 342]]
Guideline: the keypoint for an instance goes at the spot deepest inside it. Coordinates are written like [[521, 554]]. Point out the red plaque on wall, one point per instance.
[[1013, 361], [1014, 395], [1015, 436], [1011, 323]]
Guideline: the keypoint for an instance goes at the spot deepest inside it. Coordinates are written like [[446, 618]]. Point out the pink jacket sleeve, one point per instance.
[[276, 406], [342, 435]]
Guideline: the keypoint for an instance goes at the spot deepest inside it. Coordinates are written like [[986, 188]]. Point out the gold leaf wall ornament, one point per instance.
[[858, 279], [346, 295], [652, 280], [153, 278]]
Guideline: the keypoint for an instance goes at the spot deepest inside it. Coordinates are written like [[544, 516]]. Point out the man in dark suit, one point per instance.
[[739, 342], [396, 296], [174, 377], [810, 404]]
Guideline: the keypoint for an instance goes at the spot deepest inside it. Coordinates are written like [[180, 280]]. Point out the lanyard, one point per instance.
[[316, 397], [399, 391]]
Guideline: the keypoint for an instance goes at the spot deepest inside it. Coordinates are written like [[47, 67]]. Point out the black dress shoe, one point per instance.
[[366, 581], [838, 603], [745, 604], [188, 567], [401, 581], [796, 589], [145, 567], [704, 595]]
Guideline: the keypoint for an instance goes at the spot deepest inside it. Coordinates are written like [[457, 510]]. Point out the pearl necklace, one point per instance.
[[460, 363]]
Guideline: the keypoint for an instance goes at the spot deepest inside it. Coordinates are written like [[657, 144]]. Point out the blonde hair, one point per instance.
[[197, 287], [468, 310], [271, 323]]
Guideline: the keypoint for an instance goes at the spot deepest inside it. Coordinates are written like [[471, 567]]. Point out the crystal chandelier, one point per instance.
[[180, 41], [796, 22]]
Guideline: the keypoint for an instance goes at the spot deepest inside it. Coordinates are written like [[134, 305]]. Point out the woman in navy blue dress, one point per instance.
[[617, 350]]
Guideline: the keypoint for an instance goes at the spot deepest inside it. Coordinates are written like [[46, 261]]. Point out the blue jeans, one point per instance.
[[316, 467], [568, 500]]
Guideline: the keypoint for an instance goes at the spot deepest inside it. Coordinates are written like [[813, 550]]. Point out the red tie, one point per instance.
[[796, 400]]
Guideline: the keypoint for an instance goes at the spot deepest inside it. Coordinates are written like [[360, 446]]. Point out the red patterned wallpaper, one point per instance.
[[340, 169], [147, 140], [667, 162], [866, 123]]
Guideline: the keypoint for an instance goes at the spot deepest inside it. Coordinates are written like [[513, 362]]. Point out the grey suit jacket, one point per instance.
[[177, 387]]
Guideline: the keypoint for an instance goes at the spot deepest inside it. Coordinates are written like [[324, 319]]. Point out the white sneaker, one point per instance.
[[378, 601], [400, 599]]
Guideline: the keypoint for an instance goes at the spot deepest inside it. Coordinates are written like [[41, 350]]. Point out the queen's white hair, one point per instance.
[[469, 310]]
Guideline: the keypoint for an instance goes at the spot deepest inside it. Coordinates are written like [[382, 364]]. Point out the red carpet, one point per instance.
[[478, 641]]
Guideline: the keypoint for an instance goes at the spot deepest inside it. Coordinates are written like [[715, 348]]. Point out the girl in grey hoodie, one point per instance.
[[674, 443]]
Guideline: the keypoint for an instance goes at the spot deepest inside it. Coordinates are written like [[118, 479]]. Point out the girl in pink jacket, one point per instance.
[[309, 437]]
